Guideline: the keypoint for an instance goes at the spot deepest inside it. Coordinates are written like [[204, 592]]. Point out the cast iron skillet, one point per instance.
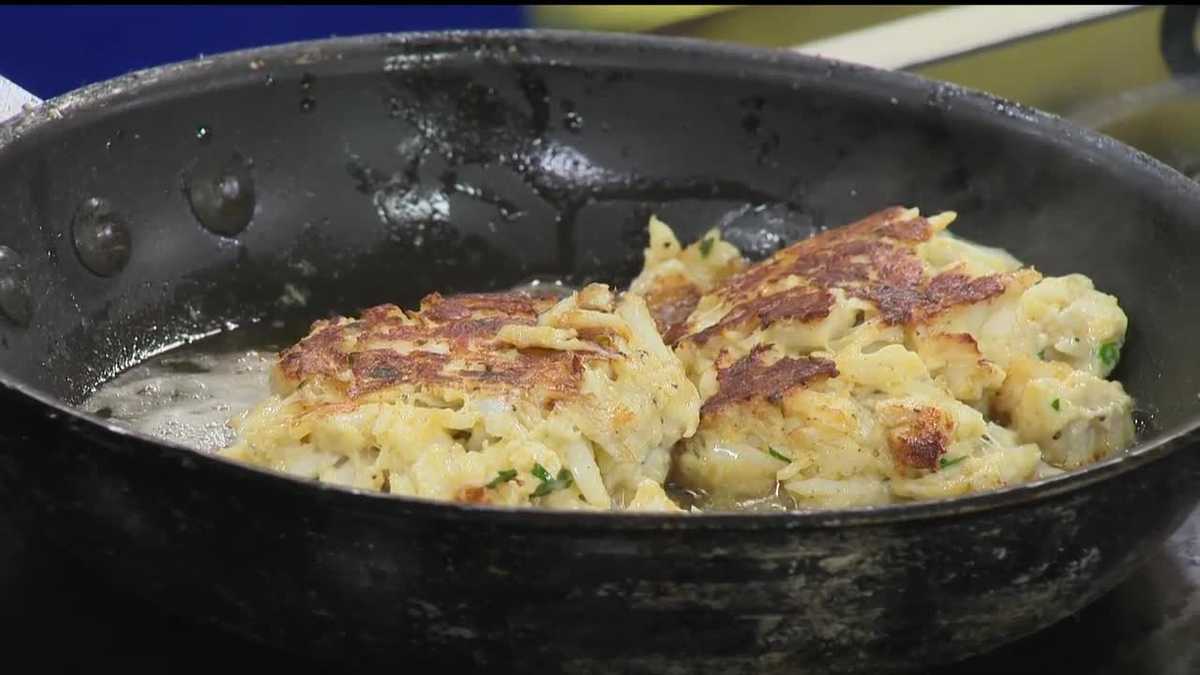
[[396, 165]]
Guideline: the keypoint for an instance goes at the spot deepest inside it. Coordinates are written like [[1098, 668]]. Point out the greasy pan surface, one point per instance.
[[378, 169]]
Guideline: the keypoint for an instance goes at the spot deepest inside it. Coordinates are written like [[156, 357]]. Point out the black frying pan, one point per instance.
[[402, 164]]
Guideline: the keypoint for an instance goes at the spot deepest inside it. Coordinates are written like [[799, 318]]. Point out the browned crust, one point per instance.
[[751, 377], [439, 309], [554, 373], [797, 304], [317, 353], [950, 288], [829, 255], [671, 302], [472, 495], [920, 443], [449, 342], [873, 259]]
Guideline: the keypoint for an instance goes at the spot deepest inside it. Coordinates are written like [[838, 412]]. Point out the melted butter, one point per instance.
[[187, 395]]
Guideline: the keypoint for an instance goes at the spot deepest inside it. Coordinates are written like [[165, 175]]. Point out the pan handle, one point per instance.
[[14, 99], [1180, 41]]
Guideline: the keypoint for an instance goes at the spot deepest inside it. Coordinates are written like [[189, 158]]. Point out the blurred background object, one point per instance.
[[623, 18], [1055, 70], [762, 25], [1106, 68]]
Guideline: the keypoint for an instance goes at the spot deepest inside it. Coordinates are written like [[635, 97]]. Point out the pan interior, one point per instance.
[[287, 185]]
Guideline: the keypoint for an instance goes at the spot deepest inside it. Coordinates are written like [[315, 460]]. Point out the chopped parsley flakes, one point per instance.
[[563, 481], [1110, 353], [706, 245], [947, 462], [502, 477], [1056, 404], [779, 455]]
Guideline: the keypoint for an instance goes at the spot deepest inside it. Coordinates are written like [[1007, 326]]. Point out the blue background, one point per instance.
[[53, 49]]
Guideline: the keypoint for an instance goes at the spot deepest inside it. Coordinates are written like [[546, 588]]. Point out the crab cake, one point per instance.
[[889, 360], [506, 399], [674, 278]]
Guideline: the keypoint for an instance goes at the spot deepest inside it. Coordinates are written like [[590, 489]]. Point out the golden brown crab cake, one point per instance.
[[851, 427], [673, 277], [503, 399], [915, 330], [817, 290]]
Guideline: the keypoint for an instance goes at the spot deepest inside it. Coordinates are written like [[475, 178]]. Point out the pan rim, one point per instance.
[[747, 62]]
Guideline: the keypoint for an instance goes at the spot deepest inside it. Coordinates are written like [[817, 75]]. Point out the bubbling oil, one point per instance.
[[188, 394]]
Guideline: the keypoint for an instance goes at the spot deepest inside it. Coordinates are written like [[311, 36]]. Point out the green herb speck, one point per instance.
[[502, 477], [1056, 404], [540, 472], [1042, 355], [779, 455], [946, 462], [1110, 352], [706, 246], [548, 485]]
